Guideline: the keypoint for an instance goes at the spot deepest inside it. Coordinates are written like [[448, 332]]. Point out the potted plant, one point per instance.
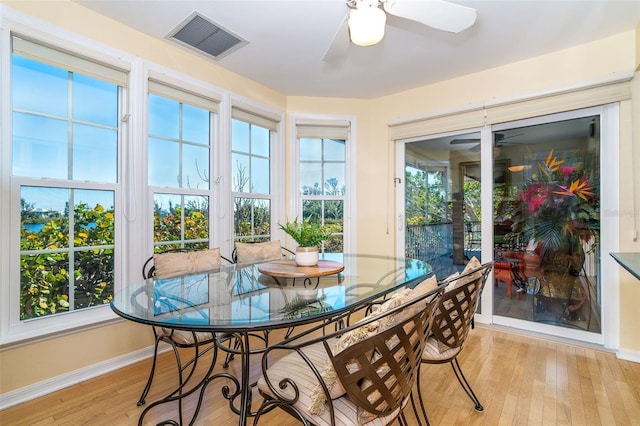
[[309, 236], [558, 209]]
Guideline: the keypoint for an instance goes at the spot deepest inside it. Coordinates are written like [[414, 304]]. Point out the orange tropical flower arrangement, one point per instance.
[[559, 206]]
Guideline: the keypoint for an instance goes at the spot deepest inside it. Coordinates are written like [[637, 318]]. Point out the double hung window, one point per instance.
[[322, 163], [252, 141], [65, 167], [180, 157]]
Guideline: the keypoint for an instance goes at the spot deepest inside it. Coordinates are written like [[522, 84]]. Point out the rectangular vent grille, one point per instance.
[[203, 35]]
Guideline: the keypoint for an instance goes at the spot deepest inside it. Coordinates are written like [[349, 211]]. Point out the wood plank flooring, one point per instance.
[[521, 380]]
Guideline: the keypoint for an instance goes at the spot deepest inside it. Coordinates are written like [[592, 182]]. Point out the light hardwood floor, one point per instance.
[[520, 379]]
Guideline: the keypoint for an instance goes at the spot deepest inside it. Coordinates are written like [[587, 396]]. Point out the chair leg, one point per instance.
[[402, 420], [421, 401], [465, 385], [415, 407], [289, 332], [180, 381], [230, 355], [147, 387]]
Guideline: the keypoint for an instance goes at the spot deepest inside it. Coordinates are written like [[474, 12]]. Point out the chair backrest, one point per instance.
[[454, 315], [379, 372], [254, 252], [182, 260]]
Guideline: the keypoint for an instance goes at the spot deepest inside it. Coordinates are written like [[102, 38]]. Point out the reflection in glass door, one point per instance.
[[442, 201], [545, 186], [546, 224]]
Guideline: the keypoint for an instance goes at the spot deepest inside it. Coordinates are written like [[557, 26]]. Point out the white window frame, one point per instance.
[[276, 158], [12, 329], [184, 89], [609, 235], [295, 207]]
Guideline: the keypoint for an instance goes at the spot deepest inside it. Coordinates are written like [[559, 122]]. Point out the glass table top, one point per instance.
[[239, 297], [629, 261]]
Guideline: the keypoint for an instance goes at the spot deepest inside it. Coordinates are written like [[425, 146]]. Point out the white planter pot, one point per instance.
[[307, 256]]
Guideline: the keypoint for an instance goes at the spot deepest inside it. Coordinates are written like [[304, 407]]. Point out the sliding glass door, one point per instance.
[[442, 201], [546, 222], [538, 183]]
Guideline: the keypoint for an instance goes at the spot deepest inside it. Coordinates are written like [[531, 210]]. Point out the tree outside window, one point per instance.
[[179, 168], [251, 162], [65, 130], [323, 186]]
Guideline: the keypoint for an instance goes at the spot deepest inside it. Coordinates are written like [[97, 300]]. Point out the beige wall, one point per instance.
[[33, 363], [629, 220], [80, 20], [638, 47], [46, 359], [630, 209], [29, 364]]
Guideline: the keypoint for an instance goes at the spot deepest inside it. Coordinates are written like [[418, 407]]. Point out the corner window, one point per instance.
[[322, 162]]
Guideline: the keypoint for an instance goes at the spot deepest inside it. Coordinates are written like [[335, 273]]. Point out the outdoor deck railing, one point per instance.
[[428, 242]]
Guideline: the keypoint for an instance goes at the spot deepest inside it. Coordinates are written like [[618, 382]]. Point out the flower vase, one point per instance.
[[307, 256]]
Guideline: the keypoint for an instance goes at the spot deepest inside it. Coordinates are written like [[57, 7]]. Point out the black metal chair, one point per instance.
[[200, 342], [357, 374], [452, 322]]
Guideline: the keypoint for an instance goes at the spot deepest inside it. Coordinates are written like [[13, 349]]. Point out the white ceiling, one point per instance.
[[288, 39]]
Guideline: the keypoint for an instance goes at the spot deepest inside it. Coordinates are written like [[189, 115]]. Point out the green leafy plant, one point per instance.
[[48, 277], [559, 206], [306, 233]]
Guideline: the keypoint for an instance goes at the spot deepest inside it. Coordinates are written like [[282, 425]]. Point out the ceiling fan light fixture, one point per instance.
[[366, 23]]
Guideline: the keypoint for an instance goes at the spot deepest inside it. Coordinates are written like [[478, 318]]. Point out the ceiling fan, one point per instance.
[[498, 141], [364, 24]]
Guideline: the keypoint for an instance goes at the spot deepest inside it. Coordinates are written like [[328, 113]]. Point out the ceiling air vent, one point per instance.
[[197, 32]]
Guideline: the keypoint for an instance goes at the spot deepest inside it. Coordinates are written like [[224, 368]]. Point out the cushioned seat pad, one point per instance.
[[293, 367]]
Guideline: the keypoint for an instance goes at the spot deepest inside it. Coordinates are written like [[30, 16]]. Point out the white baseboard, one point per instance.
[[53, 384], [628, 355]]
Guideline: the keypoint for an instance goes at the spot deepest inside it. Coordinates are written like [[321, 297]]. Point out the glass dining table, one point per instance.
[[237, 301]]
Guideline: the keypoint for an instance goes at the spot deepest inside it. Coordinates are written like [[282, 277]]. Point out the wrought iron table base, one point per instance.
[[242, 386]]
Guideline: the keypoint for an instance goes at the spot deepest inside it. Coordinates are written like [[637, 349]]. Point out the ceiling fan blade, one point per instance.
[[475, 148], [438, 14], [463, 141], [340, 43], [499, 137]]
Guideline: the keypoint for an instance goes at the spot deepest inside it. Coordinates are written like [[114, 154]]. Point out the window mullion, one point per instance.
[[70, 126], [72, 251]]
